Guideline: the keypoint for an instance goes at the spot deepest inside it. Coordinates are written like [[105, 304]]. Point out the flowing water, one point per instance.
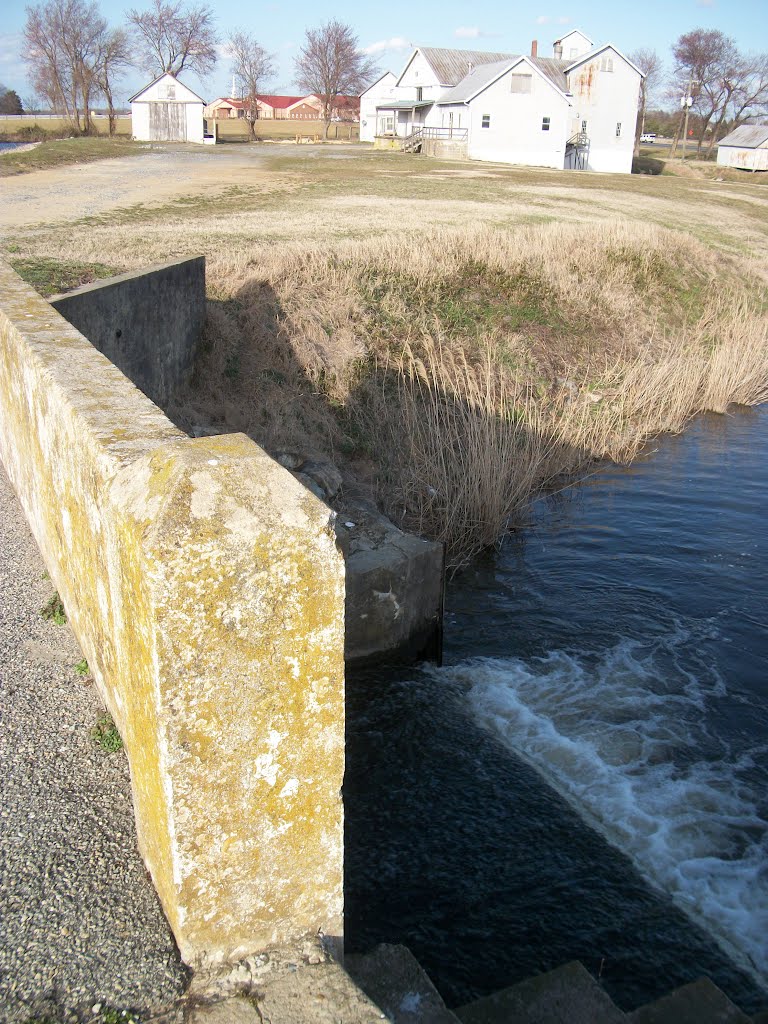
[[587, 777]]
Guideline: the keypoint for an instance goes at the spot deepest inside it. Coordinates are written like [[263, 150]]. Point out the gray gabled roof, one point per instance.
[[748, 136], [554, 70], [477, 80], [481, 77], [450, 66]]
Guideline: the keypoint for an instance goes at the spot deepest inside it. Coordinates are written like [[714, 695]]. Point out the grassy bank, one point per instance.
[[464, 374], [53, 153]]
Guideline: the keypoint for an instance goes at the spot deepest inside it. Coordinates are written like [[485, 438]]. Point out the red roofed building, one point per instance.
[[293, 108]]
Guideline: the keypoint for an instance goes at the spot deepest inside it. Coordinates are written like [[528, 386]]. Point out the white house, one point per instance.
[[167, 111], [576, 109], [383, 90], [746, 147]]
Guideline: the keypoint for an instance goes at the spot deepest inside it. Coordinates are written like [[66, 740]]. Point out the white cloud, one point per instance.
[[705, 3], [395, 43], [472, 32], [543, 19], [564, 20]]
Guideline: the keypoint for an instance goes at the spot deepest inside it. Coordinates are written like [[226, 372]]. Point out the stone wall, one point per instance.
[[207, 593], [147, 323]]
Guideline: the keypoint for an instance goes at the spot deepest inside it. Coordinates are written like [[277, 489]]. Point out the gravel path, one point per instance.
[[80, 923]]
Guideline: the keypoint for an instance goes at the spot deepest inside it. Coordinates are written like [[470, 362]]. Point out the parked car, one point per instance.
[[649, 137]]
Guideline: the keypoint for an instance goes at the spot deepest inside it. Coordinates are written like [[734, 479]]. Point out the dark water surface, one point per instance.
[[587, 777]]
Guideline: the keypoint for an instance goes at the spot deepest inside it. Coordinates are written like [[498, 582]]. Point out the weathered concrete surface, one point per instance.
[[445, 149], [299, 983], [567, 995], [147, 323], [80, 922], [394, 590], [207, 593], [395, 980], [699, 1002]]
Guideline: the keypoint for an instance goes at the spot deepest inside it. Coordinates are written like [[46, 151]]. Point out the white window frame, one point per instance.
[[546, 124], [485, 121]]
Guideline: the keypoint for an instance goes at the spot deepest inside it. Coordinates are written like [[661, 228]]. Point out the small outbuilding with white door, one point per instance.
[[166, 110], [746, 148]]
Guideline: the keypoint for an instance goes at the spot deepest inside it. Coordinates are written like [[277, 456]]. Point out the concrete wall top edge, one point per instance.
[[111, 408], [129, 275]]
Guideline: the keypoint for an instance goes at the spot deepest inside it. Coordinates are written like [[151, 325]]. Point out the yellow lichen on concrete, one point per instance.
[[206, 590]]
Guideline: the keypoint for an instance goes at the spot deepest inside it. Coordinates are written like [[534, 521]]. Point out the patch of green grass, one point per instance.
[[115, 1016], [105, 735], [82, 668], [54, 611], [475, 300], [59, 152], [51, 276]]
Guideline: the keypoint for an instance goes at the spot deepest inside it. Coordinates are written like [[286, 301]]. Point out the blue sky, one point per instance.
[[390, 30]]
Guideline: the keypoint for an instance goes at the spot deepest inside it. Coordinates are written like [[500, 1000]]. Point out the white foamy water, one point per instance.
[[623, 736]]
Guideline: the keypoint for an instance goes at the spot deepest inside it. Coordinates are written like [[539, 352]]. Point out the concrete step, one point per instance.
[[393, 978], [699, 1002], [567, 995]]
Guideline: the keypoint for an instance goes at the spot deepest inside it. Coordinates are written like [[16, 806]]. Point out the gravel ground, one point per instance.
[[80, 923]]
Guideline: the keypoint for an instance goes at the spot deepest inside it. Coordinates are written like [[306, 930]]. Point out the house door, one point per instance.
[[167, 122]]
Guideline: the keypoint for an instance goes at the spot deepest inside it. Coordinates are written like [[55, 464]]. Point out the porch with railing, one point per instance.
[[412, 143]]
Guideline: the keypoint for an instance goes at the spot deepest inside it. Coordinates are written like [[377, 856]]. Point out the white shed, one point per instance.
[[167, 111], [746, 147]]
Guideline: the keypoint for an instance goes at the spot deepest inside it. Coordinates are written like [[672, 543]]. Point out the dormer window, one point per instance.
[[606, 63], [419, 94]]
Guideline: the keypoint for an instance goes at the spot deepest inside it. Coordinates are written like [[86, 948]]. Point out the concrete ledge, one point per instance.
[[147, 323], [207, 593]]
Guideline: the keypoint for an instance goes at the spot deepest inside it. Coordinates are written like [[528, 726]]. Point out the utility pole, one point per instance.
[[686, 102]]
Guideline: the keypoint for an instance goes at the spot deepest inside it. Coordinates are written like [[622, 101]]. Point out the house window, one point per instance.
[[545, 121], [584, 127], [573, 52], [520, 83], [606, 63], [170, 92], [618, 129], [419, 92], [486, 123]]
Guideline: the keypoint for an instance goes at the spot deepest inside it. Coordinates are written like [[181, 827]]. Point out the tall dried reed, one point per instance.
[[474, 367]]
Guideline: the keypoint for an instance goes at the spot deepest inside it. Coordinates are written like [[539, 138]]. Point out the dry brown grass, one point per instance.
[[472, 369]]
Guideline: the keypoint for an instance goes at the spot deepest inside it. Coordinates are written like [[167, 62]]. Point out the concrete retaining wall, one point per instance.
[[207, 593], [445, 149], [147, 323]]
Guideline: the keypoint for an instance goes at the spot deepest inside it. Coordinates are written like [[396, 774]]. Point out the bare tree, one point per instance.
[[174, 38], [63, 44], [748, 95], [114, 60], [649, 62], [330, 64], [706, 63], [251, 64]]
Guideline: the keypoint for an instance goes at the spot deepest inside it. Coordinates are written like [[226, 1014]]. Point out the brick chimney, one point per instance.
[[535, 48]]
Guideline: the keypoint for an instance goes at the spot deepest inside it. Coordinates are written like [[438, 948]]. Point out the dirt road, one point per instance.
[[158, 175]]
